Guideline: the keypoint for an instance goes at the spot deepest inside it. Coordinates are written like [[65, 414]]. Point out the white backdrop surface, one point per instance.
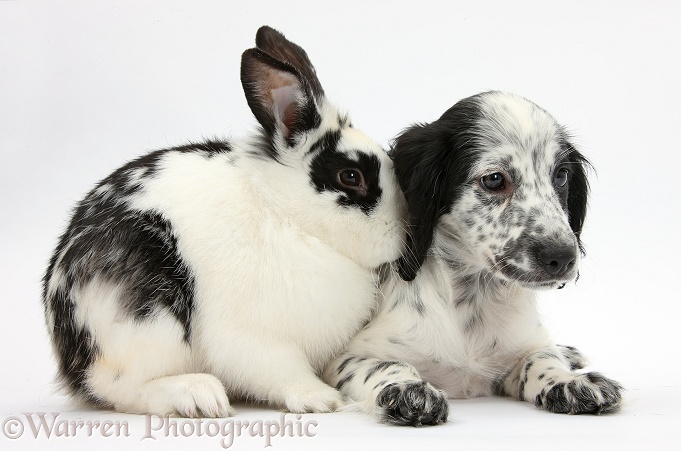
[[86, 86]]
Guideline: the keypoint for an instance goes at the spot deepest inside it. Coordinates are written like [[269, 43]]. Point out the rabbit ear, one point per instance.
[[278, 47], [278, 96]]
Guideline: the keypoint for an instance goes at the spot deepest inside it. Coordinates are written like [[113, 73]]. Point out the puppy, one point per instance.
[[497, 196]]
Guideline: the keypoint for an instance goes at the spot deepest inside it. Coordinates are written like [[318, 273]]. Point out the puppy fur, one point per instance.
[[497, 197]]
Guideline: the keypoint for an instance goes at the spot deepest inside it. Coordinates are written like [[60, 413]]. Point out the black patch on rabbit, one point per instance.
[[355, 179]]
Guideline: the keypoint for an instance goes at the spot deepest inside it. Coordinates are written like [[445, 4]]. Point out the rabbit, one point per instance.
[[228, 269]]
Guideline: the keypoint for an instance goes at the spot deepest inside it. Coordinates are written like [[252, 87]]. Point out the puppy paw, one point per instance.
[[589, 393], [320, 399], [412, 404]]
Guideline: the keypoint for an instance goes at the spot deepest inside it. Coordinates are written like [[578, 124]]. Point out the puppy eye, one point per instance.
[[352, 178], [561, 178], [493, 182]]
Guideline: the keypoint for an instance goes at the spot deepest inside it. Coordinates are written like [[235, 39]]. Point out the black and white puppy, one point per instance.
[[497, 197]]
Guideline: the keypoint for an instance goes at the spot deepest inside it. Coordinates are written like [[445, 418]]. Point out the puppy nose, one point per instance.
[[556, 261]]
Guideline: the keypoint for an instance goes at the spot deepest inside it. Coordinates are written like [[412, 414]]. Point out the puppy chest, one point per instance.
[[469, 371], [480, 346]]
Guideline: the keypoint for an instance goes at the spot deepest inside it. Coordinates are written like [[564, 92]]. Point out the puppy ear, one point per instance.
[[433, 162], [278, 47], [278, 95], [420, 154], [578, 191]]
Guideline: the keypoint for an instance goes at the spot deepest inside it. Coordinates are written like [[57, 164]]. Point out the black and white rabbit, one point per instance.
[[237, 267]]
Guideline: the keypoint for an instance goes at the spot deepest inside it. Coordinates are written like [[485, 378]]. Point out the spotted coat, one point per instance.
[[497, 198]]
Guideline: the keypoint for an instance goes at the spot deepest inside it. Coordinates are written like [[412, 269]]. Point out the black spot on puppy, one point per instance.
[[344, 381]]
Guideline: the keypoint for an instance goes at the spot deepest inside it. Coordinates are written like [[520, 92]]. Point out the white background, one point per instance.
[[86, 86]]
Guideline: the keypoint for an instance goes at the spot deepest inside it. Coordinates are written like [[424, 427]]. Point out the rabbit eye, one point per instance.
[[352, 178], [493, 182], [561, 178]]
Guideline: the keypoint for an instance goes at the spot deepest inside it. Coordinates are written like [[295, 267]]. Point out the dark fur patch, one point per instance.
[[578, 186], [156, 275], [208, 148], [396, 341], [381, 383], [343, 364], [329, 161], [555, 400], [573, 356], [432, 163], [328, 141], [345, 380], [580, 397], [380, 366], [76, 349], [136, 250], [126, 180], [499, 386], [412, 404], [417, 302], [471, 289], [473, 322]]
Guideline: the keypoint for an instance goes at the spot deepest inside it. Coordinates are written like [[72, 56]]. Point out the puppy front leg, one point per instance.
[[545, 378], [393, 390]]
